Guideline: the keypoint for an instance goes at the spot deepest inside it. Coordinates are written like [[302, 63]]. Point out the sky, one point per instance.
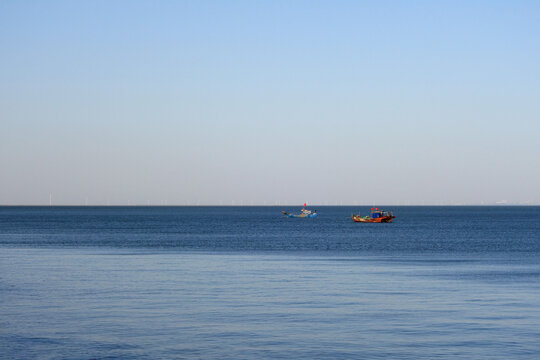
[[269, 102]]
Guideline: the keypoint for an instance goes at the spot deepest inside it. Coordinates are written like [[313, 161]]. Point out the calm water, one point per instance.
[[247, 283]]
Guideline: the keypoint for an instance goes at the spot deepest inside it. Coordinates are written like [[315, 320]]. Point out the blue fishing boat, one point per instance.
[[304, 213]]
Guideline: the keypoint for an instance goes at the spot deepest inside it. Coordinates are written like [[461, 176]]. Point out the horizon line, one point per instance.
[[261, 205]]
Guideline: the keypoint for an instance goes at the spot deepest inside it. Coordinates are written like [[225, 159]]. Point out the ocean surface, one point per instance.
[[248, 283]]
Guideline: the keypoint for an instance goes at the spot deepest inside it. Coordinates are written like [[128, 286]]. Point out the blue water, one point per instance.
[[247, 283]]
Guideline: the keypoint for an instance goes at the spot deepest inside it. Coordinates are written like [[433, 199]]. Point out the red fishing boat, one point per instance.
[[377, 216]]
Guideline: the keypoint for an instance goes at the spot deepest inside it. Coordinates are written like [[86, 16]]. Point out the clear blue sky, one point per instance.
[[210, 102]]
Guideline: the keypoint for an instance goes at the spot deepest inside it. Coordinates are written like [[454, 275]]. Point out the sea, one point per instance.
[[248, 283]]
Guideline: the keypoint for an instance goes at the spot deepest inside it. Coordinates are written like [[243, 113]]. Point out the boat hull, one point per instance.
[[366, 219], [289, 215]]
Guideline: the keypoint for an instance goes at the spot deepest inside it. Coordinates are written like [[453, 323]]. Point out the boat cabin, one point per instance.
[[376, 213]]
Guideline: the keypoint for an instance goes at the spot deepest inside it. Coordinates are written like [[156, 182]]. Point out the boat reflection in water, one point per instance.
[[377, 216]]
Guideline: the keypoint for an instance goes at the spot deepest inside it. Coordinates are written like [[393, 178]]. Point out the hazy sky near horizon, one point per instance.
[[210, 102]]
